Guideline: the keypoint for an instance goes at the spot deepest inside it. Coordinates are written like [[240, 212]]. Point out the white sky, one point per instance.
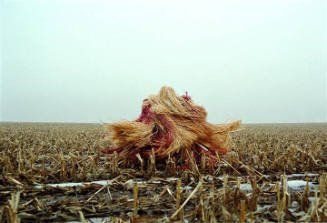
[[94, 60]]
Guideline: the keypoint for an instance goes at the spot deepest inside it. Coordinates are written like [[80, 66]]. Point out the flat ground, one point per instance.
[[274, 172]]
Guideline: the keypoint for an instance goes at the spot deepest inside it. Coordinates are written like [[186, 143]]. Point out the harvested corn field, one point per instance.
[[57, 172]]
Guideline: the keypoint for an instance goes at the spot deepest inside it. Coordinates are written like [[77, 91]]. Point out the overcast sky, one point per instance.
[[96, 60]]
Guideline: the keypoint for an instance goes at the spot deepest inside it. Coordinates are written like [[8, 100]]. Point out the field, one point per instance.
[[275, 172]]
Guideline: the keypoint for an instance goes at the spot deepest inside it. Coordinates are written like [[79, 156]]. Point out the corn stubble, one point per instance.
[[260, 155]]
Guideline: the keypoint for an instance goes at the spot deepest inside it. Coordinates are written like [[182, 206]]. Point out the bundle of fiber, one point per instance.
[[169, 126]]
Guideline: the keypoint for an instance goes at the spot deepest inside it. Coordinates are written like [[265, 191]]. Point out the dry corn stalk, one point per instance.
[[12, 208], [169, 125]]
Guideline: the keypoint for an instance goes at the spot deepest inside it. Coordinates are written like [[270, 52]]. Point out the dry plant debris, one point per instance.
[[272, 173], [170, 126]]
